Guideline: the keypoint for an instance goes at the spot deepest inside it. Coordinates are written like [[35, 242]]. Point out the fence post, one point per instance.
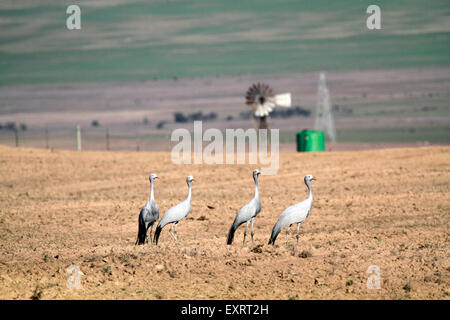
[[107, 139], [16, 135], [138, 148], [46, 137], [78, 137]]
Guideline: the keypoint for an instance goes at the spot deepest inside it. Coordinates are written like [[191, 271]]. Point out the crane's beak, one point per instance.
[[156, 177], [313, 178]]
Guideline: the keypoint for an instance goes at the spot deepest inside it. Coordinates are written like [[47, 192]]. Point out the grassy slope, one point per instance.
[[140, 40]]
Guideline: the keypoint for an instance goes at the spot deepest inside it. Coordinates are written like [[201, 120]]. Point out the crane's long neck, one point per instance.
[[189, 193], [308, 184], [256, 187], [151, 190]]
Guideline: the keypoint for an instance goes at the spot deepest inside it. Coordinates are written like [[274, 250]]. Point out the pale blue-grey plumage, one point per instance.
[[175, 214], [296, 213], [247, 213], [148, 215]]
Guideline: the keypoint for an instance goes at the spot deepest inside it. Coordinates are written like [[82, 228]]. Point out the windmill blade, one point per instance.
[[258, 93], [262, 99], [283, 100]]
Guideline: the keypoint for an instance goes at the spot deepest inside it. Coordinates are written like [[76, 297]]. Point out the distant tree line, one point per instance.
[[180, 117], [12, 126], [280, 113], [342, 109], [290, 112], [196, 116]]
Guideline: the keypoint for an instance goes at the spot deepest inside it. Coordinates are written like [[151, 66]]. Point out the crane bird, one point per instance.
[[175, 214], [294, 214], [247, 213], [148, 215]]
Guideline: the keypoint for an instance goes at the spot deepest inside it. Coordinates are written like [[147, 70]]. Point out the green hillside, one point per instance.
[[124, 40]]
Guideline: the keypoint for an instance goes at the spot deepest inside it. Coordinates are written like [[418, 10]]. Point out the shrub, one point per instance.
[[212, 116], [161, 124], [195, 116], [10, 126], [179, 117]]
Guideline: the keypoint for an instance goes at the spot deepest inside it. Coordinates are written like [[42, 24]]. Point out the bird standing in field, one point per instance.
[[148, 215], [175, 214], [294, 214], [247, 213]]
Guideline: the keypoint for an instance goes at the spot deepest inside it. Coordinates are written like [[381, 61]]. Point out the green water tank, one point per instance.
[[310, 140]]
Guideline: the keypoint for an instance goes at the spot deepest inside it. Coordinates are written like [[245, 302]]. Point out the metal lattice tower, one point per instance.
[[324, 116]]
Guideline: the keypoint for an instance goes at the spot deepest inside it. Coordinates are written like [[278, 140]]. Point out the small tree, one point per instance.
[[11, 126], [161, 124], [196, 116], [179, 117], [212, 116]]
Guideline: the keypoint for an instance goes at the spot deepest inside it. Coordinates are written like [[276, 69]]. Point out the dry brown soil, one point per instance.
[[388, 208]]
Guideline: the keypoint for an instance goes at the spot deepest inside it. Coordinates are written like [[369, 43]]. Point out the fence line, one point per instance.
[[91, 138], [103, 138]]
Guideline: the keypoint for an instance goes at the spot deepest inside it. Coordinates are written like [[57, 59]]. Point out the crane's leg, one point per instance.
[[245, 232], [287, 233], [151, 232], [252, 233], [175, 232], [298, 231], [170, 231], [146, 232]]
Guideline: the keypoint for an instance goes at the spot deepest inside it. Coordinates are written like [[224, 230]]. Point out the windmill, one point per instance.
[[262, 99], [324, 116]]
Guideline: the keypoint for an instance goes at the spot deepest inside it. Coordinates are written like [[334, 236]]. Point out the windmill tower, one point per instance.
[[324, 117]]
